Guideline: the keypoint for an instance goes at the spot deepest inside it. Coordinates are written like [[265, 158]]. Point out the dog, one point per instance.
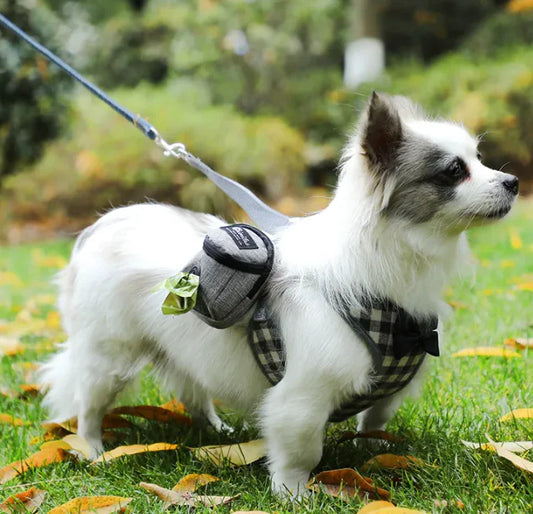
[[408, 188]]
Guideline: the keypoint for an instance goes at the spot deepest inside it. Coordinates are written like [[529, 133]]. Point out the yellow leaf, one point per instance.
[[511, 446], [191, 482], [185, 499], [53, 320], [347, 482], [7, 419], [391, 461], [174, 405], [519, 462], [237, 454], [516, 242], [36, 460], [525, 286], [133, 449], [92, 504], [396, 510], [154, 413], [486, 351], [167, 495], [10, 346], [518, 414], [519, 343], [9, 278], [71, 425], [374, 506], [47, 261], [70, 442], [507, 263], [29, 500]]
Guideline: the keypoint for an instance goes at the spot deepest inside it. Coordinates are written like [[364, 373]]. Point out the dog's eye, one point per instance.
[[457, 169], [479, 156]]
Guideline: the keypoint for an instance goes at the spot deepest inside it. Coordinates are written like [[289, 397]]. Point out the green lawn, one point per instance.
[[463, 398]]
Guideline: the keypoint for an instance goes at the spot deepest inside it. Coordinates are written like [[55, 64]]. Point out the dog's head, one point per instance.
[[429, 171]]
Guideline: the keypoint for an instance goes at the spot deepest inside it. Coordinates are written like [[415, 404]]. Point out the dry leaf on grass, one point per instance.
[[374, 507], [193, 481], [154, 413], [174, 405], [71, 442], [29, 500], [10, 346], [519, 462], [187, 498], [93, 505], [525, 286], [516, 242], [391, 461], [133, 449], [510, 446], [10, 278], [36, 460], [486, 351], [347, 483], [519, 343], [30, 390], [236, 454], [71, 425], [373, 434], [8, 419], [394, 510], [518, 414]]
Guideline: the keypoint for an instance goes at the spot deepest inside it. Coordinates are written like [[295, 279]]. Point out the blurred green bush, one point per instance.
[[106, 162], [32, 92]]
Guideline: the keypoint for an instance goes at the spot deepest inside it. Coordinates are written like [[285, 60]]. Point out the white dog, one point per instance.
[[408, 188]]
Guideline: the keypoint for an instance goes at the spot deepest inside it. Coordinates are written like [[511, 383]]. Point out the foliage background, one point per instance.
[[253, 88]]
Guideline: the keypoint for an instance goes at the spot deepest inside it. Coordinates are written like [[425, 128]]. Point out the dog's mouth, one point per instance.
[[498, 213]]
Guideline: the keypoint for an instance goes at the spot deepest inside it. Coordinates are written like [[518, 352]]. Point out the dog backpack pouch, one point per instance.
[[233, 268]]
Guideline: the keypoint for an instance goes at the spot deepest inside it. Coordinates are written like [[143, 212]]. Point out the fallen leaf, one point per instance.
[[525, 286], [193, 481], [29, 500], [10, 346], [374, 506], [30, 390], [186, 498], [174, 405], [518, 414], [47, 261], [519, 343], [7, 419], [154, 413], [396, 510], [457, 305], [516, 242], [441, 504], [133, 449], [486, 351], [391, 461], [36, 460], [349, 482], [237, 454], [519, 462], [511, 446], [92, 504], [71, 442], [9, 278], [71, 425], [373, 434]]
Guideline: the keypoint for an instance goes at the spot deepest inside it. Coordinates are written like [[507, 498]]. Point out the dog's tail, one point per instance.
[[59, 378]]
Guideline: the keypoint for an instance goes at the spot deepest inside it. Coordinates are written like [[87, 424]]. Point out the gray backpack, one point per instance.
[[224, 280]]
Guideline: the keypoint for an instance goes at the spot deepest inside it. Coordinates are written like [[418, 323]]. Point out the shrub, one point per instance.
[[106, 162], [32, 92]]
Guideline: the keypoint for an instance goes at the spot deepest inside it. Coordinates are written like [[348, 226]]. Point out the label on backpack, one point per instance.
[[241, 237]]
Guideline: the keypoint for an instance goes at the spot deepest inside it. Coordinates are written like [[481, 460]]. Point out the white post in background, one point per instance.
[[364, 54]]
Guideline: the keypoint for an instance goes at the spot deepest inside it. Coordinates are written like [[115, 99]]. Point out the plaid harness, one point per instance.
[[397, 344]]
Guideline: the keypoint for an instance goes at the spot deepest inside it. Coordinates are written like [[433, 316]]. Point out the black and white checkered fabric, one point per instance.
[[377, 325]]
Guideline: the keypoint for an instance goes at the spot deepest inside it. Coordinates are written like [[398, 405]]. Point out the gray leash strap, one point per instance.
[[259, 212]]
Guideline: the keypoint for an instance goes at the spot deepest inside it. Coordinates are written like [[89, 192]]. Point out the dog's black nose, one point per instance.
[[511, 184]]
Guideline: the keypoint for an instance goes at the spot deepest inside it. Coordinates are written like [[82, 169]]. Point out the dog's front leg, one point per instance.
[[293, 425]]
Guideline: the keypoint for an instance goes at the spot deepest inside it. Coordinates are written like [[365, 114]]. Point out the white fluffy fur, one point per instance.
[[115, 325]]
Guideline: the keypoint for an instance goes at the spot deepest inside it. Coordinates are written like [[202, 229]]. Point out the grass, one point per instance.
[[462, 399]]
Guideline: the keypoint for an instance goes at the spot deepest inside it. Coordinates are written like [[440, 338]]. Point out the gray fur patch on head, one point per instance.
[[419, 190]]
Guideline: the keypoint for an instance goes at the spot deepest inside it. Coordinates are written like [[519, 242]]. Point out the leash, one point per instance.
[[260, 213]]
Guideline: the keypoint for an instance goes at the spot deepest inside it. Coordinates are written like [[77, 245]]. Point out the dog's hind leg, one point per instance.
[[196, 399]]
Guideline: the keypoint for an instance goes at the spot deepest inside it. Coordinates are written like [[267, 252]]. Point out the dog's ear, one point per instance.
[[381, 132]]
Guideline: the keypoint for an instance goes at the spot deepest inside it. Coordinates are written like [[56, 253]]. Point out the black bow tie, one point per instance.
[[413, 336]]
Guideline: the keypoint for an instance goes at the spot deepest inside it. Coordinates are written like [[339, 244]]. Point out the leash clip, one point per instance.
[[178, 150]]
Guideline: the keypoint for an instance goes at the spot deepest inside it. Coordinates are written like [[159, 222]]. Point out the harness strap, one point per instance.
[[260, 213]]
